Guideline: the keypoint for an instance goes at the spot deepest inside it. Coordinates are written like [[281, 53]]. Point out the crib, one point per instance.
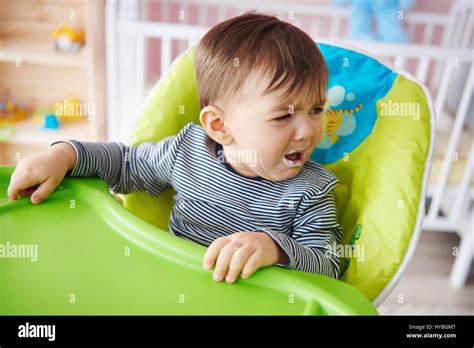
[[440, 55]]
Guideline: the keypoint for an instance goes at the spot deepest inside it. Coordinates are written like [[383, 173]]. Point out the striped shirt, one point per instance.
[[213, 200]]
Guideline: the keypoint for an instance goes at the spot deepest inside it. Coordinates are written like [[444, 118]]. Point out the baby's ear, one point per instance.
[[212, 120]]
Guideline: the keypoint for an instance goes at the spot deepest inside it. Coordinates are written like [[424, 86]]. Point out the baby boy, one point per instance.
[[245, 185]]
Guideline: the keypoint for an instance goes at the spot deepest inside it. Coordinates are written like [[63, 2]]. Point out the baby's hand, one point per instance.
[[40, 173], [242, 253]]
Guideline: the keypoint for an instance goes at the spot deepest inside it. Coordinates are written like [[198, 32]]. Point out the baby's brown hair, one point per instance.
[[232, 49]]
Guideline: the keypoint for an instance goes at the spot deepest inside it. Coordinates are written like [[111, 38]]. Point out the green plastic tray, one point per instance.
[[95, 257]]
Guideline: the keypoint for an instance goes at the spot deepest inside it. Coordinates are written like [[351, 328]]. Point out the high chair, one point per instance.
[[95, 257]]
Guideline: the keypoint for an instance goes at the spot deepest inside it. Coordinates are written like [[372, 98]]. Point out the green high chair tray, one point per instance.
[[95, 257]]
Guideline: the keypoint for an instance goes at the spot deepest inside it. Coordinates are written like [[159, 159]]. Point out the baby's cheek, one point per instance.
[[318, 132], [267, 157], [270, 148]]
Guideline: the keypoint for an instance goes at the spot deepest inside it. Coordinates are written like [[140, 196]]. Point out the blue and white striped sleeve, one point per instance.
[[146, 167], [315, 236]]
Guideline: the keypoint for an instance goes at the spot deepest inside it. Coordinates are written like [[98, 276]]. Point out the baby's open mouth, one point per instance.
[[294, 158]]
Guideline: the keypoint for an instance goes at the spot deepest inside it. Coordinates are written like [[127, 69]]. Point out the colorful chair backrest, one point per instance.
[[378, 139]]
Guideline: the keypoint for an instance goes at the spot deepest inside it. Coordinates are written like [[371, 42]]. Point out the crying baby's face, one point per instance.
[[271, 138]]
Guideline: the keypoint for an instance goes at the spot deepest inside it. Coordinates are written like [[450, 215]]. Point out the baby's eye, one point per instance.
[[316, 111], [282, 118]]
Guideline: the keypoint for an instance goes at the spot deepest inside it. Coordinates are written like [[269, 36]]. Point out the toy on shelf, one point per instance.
[[68, 38], [12, 111], [387, 14], [64, 111], [45, 117], [71, 109], [51, 122], [39, 113]]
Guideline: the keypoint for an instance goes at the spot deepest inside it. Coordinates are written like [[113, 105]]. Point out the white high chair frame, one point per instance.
[[451, 207]]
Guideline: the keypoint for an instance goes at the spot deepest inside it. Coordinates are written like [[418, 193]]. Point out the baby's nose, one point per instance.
[[304, 131]]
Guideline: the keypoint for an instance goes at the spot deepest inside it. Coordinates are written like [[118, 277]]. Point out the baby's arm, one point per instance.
[[242, 253], [316, 234], [310, 248], [39, 174], [146, 167]]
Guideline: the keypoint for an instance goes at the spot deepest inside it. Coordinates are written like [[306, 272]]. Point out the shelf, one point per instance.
[[45, 75], [40, 53], [30, 133]]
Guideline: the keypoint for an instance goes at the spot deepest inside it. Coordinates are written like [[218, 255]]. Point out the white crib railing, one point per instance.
[[434, 65]]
